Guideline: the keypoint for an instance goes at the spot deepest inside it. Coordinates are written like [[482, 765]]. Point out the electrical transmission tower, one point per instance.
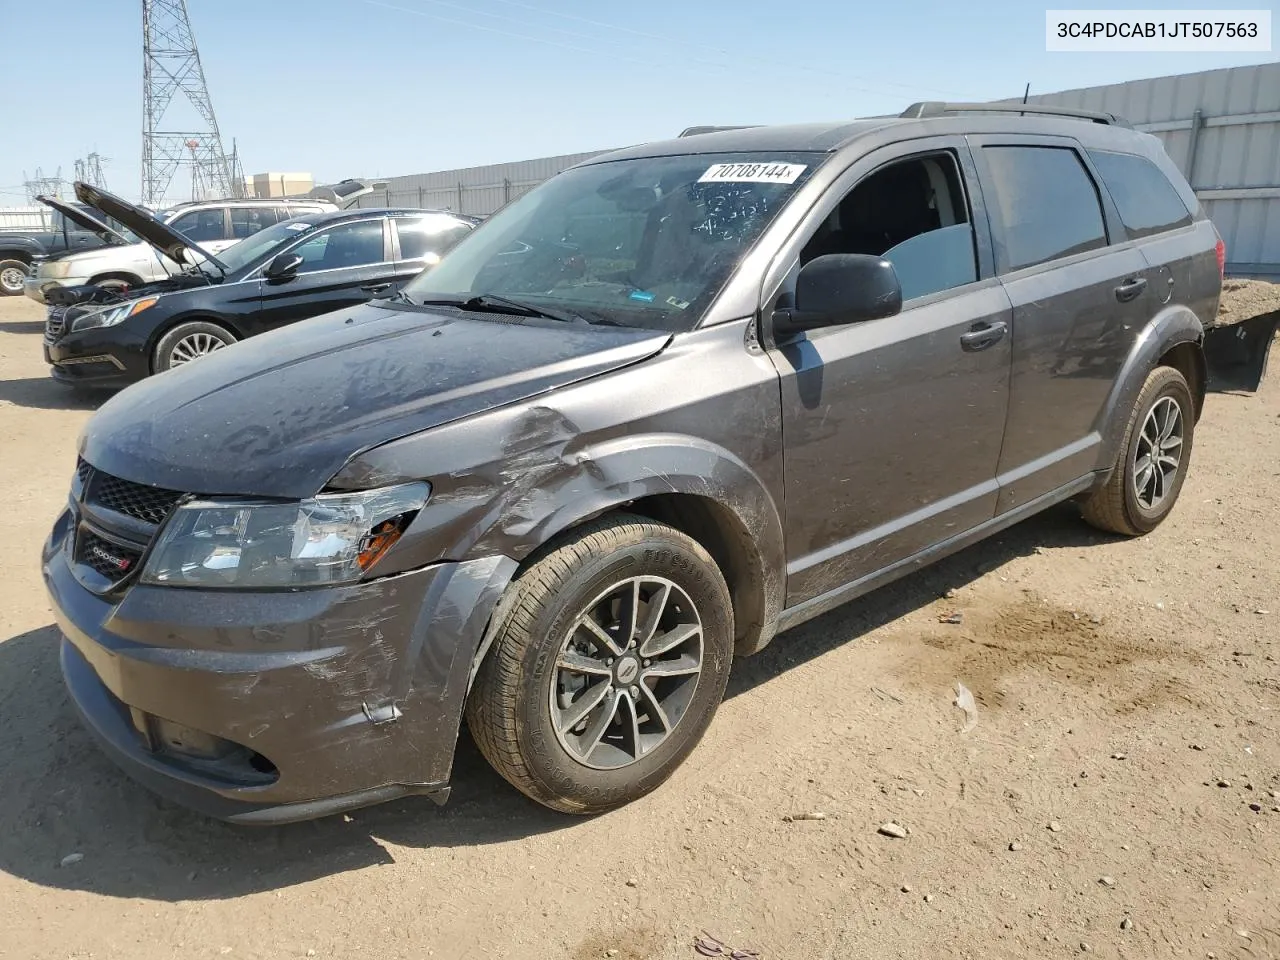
[[89, 170], [42, 186], [171, 66]]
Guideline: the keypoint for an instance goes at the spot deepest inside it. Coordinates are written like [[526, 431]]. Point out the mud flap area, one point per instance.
[[1236, 355]]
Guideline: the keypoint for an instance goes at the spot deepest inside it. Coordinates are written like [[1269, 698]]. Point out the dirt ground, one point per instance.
[[1120, 792]]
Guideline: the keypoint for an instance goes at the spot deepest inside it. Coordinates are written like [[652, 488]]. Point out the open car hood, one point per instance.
[[345, 192], [160, 235], [92, 224]]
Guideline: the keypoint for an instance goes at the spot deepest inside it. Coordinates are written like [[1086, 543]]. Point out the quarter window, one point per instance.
[[349, 245], [1044, 203], [1146, 199], [201, 226]]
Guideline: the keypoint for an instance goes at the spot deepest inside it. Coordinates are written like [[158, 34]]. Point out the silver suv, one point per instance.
[[126, 263]]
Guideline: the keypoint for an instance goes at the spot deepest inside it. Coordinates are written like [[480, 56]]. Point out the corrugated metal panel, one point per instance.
[[1229, 155], [24, 218]]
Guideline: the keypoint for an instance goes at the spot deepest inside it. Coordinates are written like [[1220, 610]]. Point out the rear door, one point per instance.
[[422, 239], [1081, 293], [342, 266]]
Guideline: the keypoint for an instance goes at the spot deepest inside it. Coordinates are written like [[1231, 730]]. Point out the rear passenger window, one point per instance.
[[421, 237], [201, 226], [1044, 203], [1146, 199], [246, 221]]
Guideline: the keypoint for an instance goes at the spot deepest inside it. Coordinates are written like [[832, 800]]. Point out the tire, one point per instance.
[[1128, 504], [519, 709], [183, 344], [13, 274]]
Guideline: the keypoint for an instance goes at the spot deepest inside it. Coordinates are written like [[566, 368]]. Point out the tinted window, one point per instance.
[[201, 226], [350, 245], [246, 221], [1044, 203], [433, 234], [1144, 196]]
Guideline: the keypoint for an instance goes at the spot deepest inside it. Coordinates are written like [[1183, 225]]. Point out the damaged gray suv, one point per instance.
[[673, 401]]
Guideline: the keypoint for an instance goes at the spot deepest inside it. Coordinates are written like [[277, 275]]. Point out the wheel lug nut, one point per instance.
[[647, 662], [609, 662], [635, 691]]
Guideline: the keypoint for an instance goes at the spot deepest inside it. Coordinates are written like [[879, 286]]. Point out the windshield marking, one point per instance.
[[752, 173]]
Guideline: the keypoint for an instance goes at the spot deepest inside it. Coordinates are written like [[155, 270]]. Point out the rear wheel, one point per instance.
[[607, 667], [13, 274], [1153, 459], [189, 341]]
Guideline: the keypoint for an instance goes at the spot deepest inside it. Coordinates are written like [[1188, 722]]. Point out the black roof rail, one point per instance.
[[694, 131], [935, 108]]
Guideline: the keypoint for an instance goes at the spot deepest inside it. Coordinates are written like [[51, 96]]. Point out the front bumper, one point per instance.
[[271, 707], [35, 287], [105, 357]]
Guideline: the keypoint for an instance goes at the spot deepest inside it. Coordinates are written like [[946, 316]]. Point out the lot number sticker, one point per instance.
[[752, 173]]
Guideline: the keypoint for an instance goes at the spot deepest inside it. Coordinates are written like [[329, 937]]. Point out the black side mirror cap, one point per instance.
[[283, 267], [838, 289]]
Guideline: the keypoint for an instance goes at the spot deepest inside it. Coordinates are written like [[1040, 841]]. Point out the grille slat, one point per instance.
[[55, 322], [148, 504]]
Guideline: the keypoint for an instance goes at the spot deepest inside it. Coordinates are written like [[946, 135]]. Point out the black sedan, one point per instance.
[[297, 269]]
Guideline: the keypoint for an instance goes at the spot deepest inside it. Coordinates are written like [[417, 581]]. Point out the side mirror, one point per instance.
[[841, 288], [284, 267]]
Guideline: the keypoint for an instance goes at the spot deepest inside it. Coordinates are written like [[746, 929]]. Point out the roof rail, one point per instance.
[[935, 108], [694, 131]]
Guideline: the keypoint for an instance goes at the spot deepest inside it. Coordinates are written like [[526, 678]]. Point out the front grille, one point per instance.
[[83, 470], [54, 323], [148, 504], [109, 560]]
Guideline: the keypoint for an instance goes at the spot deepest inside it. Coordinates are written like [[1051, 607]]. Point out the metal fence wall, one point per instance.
[[24, 218], [1222, 129], [473, 190]]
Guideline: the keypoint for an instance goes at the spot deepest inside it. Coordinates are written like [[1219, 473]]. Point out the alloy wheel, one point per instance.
[[626, 673], [1158, 453], [193, 347]]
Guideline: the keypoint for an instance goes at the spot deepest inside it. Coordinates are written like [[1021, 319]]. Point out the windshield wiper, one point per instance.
[[490, 303]]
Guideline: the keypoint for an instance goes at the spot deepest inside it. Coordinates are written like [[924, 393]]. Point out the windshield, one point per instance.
[[244, 252], [641, 243]]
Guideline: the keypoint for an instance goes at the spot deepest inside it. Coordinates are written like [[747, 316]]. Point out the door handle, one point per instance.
[[375, 287], [1131, 289], [983, 335]]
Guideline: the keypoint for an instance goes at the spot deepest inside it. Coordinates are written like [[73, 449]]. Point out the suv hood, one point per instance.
[[279, 415], [92, 224], [160, 235]]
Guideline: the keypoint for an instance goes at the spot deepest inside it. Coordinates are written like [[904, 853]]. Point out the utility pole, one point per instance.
[[171, 66], [42, 186]]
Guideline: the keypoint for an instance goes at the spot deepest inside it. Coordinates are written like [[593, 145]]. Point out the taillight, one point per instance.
[[1221, 250]]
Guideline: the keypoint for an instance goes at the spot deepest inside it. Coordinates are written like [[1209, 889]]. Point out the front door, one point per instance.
[[342, 266], [892, 428]]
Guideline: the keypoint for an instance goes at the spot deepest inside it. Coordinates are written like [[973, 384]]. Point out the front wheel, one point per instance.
[[187, 342], [13, 274], [607, 667], [1153, 459]]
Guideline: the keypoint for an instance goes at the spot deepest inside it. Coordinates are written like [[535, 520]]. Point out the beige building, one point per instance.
[[278, 184]]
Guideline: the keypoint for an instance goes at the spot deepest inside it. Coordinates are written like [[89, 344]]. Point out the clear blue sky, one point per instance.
[[362, 88]]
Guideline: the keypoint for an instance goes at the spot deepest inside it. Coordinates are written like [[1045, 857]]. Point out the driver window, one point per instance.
[[912, 213]]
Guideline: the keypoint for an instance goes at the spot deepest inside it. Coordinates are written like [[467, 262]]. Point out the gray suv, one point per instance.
[[668, 404]]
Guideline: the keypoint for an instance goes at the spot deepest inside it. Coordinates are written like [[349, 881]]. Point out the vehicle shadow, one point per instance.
[[59, 796], [22, 326], [45, 393]]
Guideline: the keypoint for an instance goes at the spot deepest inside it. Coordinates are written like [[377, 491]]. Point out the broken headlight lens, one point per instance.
[[329, 539]]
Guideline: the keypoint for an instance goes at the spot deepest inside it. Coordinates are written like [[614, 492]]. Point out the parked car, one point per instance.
[[287, 272], [128, 263], [20, 248], [671, 402]]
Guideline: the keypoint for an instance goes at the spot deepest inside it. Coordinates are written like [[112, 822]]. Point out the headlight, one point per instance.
[[110, 316], [56, 269], [329, 539]]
